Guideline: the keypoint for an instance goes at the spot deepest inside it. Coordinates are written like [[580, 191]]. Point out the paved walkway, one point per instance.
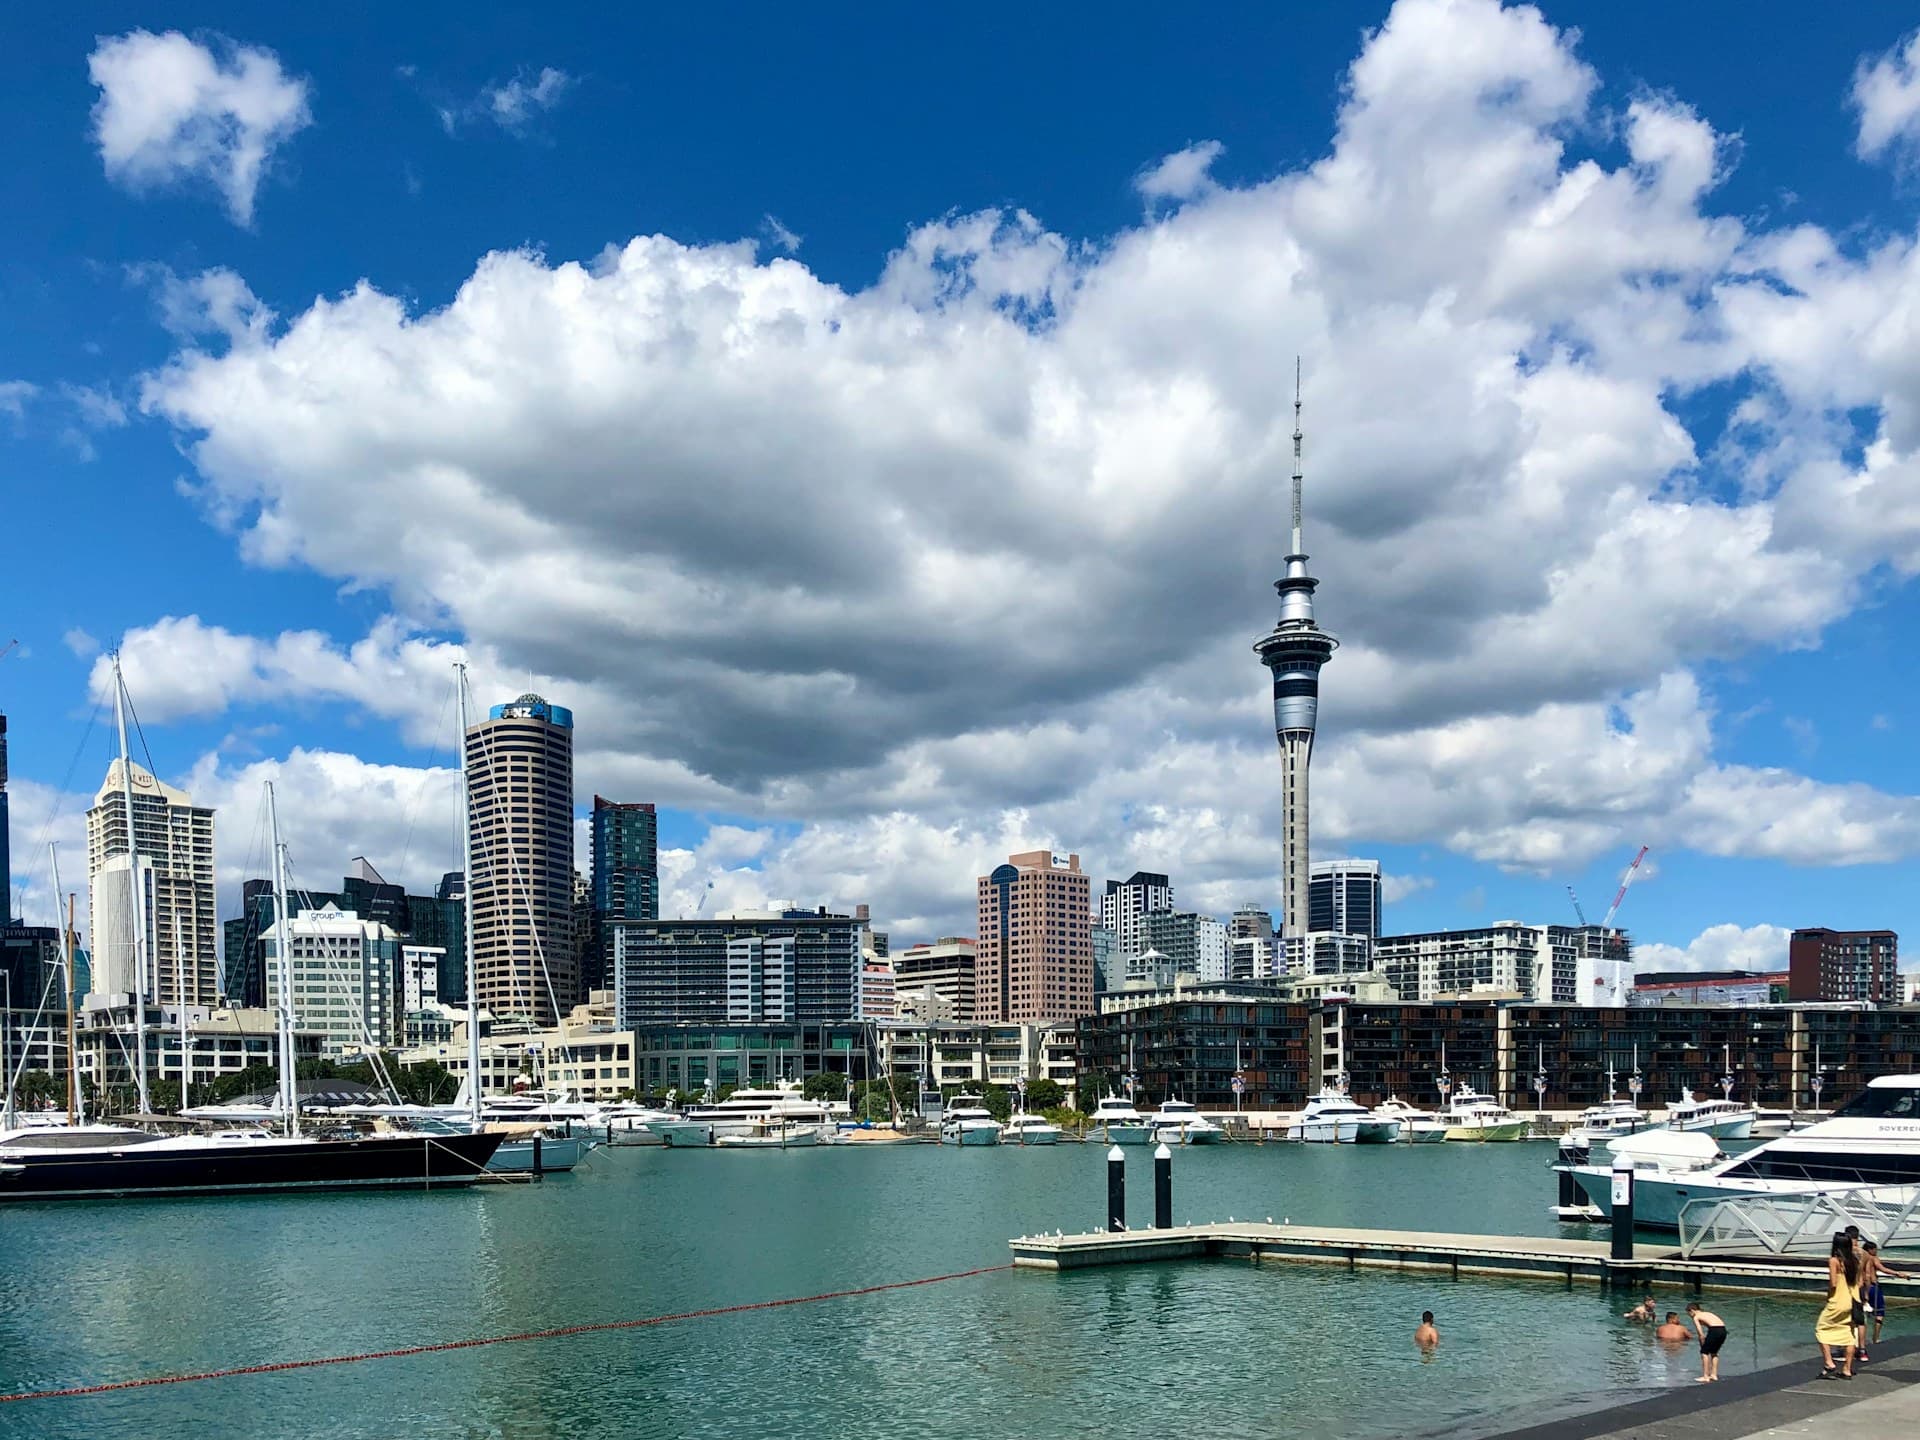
[[1882, 1402]]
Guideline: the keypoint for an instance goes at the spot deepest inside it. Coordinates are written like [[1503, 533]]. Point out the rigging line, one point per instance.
[[419, 799], [556, 1333], [144, 749], [54, 815]]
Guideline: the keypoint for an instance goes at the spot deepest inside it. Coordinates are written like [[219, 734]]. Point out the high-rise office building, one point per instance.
[[1294, 650], [345, 978], [1343, 896], [1250, 947], [1843, 965], [1036, 947], [938, 981], [1124, 909], [520, 789], [626, 874], [174, 839], [795, 966]]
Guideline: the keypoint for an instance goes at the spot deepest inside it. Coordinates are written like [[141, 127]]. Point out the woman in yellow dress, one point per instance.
[[1835, 1325]]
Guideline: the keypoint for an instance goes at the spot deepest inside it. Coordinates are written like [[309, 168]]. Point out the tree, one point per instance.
[[825, 1085], [999, 1102], [253, 1080], [1045, 1094], [37, 1090]]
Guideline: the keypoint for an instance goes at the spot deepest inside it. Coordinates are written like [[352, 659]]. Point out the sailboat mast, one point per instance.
[[466, 905], [139, 903], [283, 965], [76, 1106], [180, 1001]]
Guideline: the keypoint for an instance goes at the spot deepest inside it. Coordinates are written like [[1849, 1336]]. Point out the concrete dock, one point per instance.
[[1542, 1257]]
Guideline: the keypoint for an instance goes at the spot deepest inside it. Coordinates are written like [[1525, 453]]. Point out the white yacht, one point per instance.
[[1118, 1123], [1331, 1118], [1598, 1124], [1874, 1139], [1024, 1129], [1472, 1116], [1177, 1122], [966, 1122], [1417, 1127], [745, 1112], [1721, 1119]]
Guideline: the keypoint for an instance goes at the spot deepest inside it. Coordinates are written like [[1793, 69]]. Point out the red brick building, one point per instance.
[[1036, 939], [1843, 965]]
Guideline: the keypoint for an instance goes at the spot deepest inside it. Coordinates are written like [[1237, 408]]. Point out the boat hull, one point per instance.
[[1033, 1137], [1326, 1132], [1127, 1133], [1377, 1132], [797, 1138], [1506, 1130], [397, 1162], [1739, 1127], [971, 1135], [1429, 1133], [557, 1152], [687, 1135]]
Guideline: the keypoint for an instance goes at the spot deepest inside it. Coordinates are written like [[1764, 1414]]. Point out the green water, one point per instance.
[[115, 1290]]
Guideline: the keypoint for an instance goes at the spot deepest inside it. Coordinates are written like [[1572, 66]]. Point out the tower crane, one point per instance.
[[1625, 881], [1576, 907], [10, 645]]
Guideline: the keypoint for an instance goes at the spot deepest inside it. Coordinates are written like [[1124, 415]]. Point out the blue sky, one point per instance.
[[975, 562]]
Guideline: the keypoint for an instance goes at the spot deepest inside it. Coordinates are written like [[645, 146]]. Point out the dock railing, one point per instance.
[[1800, 1224]]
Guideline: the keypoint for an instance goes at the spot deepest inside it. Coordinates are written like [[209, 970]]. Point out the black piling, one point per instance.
[[1116, 1189]]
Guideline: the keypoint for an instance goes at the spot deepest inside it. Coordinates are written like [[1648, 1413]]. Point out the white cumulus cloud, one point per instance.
[[173, 112], [1720, 947], [1886, 93]]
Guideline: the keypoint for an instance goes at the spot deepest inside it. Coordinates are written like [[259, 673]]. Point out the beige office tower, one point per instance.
[[173, 839], [520, 783], [1036, 939]]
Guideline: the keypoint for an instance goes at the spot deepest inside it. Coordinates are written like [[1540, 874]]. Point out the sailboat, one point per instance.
[[118, 1162]]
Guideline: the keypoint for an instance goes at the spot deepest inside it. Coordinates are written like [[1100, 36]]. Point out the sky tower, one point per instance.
[[1294, 650]]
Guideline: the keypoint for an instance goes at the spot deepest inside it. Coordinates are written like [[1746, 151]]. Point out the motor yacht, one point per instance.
[[1118, 1123], [771, 1134], [1872, 1140], [1177, 1122], [1417, 1127], [966, 1122], [1331, 1118], [1721, 1119], [1026, 1129], [1597, 1124], [1472, 1116], [741, 1113]]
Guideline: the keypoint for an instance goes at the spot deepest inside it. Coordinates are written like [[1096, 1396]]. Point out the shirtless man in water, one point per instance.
[[1671, 1328], [1712, 1331], [1426, 1337]]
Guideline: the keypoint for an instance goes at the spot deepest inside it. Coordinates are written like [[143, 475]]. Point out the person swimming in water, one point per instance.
[[1643, 1313], [1671, 1328], [1712, 1331], [1426, 1337]]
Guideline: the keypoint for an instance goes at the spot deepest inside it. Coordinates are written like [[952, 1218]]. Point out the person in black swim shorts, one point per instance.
[[1712, 1331]]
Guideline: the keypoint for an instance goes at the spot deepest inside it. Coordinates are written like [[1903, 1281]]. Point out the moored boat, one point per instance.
[[965, 1123], [1024, 1129], [1178, 1122], [1417, 1127], [1118, 1123], [1471, 1116], [1721, 1119]]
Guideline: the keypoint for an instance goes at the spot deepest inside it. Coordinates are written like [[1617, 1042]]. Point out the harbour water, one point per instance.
[[95, 1291]]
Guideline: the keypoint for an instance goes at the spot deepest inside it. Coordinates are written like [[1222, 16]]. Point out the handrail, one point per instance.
[[1804, 1222]]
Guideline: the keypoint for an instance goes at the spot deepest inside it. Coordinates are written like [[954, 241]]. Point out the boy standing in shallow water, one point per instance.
[[1712, 1331], [1873, 1300]]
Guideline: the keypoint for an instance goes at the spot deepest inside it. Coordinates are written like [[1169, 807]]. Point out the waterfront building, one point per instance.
[[688, 1058], [950, 1054], [1124, 908], [1343, 896], [626, 873], [36, 1039], [1564, 964], [1709, 987], [585, 1055], [1321, 952], [221, 1041], [519, 763], [174, 838], [876, 991], [748, 967], [1294, 650], [1194, 944], [344, 978], [1036, 946], [1189, 1043], [1843, 965]]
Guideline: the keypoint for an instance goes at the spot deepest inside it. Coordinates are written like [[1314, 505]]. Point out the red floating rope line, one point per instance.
[[554, 1334]]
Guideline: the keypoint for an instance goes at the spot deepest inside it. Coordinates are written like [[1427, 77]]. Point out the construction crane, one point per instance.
[[1625, 881], [10, 645], [1576, 907]]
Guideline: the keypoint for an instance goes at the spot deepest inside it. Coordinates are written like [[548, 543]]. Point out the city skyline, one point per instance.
[[1647, 591]]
